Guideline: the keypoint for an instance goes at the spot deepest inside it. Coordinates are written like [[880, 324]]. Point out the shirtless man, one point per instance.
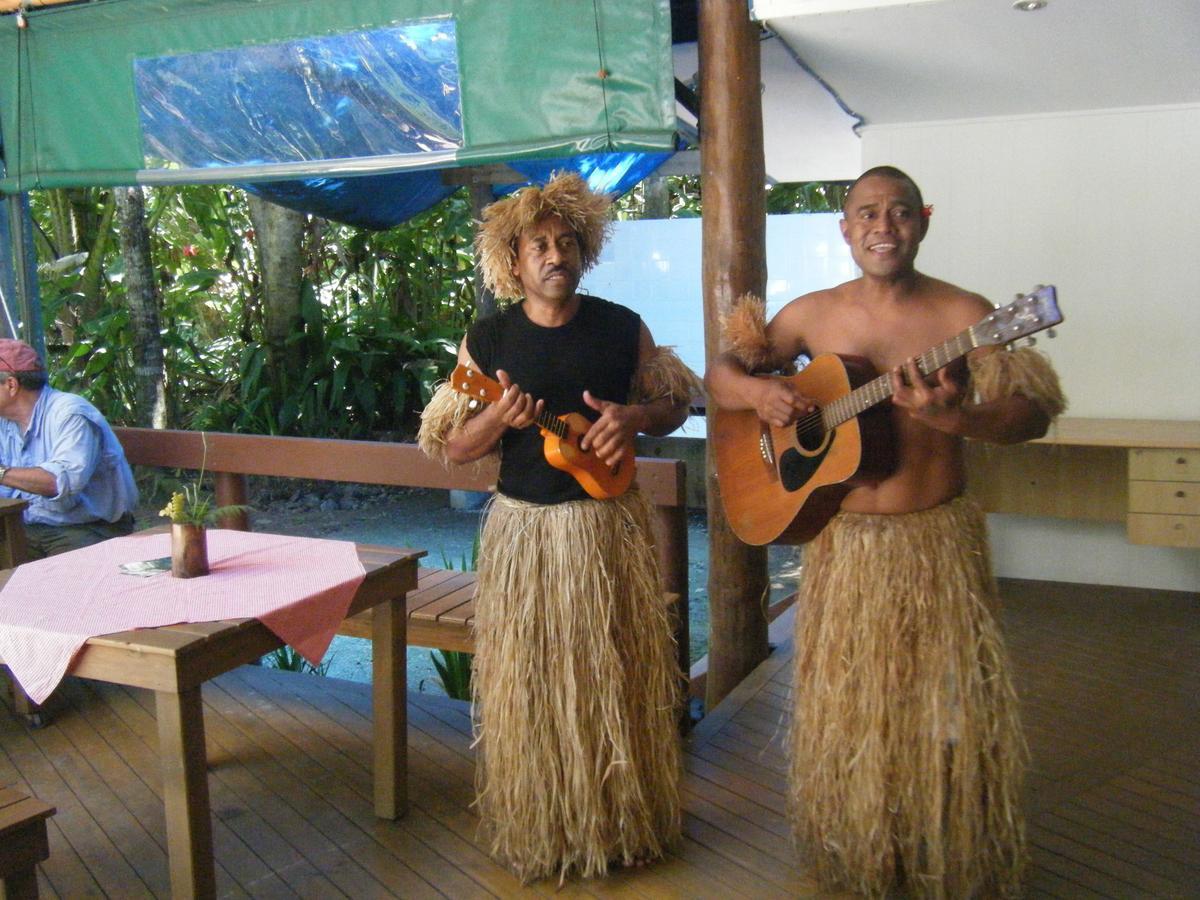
[[906, 747]]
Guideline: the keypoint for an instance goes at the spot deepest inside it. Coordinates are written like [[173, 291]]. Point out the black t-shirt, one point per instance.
[[597, 350]]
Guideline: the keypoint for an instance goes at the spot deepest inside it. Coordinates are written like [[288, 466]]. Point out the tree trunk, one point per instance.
[[485, 300], [92, 231], [733, 177], [657, 198], [77, 227], [60, 222], [141, 297], [279, 236]]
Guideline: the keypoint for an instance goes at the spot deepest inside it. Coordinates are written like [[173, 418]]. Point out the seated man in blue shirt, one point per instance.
[[58, 452]]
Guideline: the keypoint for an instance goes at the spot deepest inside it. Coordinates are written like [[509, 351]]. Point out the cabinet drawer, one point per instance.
[[1164, 465], [1164, 531], [1179, 498]]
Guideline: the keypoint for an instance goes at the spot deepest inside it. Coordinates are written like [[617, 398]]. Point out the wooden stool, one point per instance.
[[23, 841]]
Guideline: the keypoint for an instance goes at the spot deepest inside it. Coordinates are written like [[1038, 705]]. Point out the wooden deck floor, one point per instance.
[[1110, 682]]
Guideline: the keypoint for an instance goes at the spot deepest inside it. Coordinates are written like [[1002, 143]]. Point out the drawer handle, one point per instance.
[[1181, 461], [1181, 494]]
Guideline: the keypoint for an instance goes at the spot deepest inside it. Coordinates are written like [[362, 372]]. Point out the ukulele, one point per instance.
[[784, 484], [562, 434]]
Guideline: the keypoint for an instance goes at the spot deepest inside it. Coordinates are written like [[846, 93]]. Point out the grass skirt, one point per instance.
[[576, 688], [907, 753]]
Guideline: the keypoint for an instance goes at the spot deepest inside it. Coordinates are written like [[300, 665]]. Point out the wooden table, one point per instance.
[[175, 660]]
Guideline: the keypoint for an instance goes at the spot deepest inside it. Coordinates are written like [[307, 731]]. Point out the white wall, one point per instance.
[[1106, 206], [654, 267], [806, 135]]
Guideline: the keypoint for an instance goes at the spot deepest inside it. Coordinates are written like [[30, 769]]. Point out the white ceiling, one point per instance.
[[900, 61], [953, 59]]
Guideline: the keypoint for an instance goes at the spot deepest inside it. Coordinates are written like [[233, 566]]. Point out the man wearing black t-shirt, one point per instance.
[[575, 680]]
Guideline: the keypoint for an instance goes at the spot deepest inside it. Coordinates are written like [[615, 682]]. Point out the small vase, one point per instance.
[[189, 550]]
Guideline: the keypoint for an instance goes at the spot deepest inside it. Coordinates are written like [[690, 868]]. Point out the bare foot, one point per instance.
[[637, 862]]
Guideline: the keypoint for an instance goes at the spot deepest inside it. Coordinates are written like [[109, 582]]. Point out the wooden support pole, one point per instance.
[[732, 180]]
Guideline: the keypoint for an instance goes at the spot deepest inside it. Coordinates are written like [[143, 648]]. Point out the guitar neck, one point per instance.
[[489, 391], [878, 389]]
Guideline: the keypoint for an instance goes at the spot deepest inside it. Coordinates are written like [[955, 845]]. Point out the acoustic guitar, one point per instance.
[[562, 435], [784, 484]]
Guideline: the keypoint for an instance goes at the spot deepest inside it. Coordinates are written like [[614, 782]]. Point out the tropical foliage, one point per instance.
[[683, 198], [454, 672], [289, 659], [380, 313], [375, 323]]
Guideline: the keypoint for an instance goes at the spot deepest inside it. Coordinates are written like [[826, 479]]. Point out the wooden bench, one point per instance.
[[440, 611], [23, 841]]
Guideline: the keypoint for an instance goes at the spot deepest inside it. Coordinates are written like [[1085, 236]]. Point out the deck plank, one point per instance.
[[1107, 681]]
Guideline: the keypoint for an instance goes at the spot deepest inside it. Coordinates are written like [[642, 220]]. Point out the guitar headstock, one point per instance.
[[1026, 315], [474, 383]]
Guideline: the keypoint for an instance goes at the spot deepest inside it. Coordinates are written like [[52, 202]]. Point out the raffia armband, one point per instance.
[[447, 409], [664, 374], [1026, 371], [744, 335]]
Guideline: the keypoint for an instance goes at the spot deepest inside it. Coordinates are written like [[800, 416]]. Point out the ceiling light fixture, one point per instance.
[[1029, 5]]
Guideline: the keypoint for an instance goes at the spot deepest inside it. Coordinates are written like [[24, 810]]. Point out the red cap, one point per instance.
[[18, 356]]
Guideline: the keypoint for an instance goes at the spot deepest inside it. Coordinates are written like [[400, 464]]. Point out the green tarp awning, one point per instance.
[[86, 89]]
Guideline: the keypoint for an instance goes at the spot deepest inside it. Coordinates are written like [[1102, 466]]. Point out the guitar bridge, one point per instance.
[[765, 447]]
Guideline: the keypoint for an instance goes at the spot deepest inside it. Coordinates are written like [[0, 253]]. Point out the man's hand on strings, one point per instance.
[[612, 434], [515, 408], [779, 403]]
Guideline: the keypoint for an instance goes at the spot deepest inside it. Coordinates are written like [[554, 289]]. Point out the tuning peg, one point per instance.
[[1051, 333], [472, 404], [1030, 342]]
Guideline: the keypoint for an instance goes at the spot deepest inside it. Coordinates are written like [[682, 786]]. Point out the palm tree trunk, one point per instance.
[[141, 297], [279, 235]]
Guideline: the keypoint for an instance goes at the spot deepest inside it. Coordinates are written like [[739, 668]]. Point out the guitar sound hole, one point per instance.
[[810, 436]]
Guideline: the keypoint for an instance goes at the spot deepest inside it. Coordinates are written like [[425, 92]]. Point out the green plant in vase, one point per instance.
[[191, 511]]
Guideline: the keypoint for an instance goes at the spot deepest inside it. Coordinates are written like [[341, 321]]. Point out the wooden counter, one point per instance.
[[1143, 472]]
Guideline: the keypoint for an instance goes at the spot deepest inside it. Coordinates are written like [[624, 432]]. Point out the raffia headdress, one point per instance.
[[565, 195]]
